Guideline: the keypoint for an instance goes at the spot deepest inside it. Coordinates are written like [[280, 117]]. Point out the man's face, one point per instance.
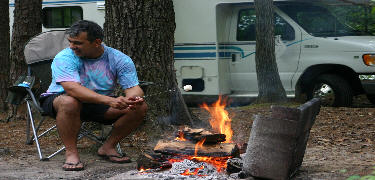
[[83, 47]]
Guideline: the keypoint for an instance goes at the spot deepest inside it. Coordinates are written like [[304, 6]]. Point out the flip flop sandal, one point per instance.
[[73, 168], [109, 158]]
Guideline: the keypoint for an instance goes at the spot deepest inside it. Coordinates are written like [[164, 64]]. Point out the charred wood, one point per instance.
[[153, 161], [188, 148], [196, 135]]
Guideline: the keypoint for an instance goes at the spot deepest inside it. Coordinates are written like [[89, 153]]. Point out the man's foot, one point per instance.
[[116, 158], [110, 154], [68, 166]]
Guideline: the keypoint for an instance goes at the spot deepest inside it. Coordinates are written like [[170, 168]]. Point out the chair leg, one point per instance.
[[55, 153], [34, 130], [35, 137], [80, 136], [101, 138], [105, 133], [28, 135]]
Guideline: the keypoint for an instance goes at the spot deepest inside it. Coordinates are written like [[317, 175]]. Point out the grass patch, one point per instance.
[[370, 176]]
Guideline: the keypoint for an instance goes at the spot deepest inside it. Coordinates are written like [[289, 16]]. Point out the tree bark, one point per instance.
[[4, 53], [269, 83], [144, 30], [27, 23]]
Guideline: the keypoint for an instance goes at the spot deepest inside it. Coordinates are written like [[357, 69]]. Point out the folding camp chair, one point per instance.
[[39, 53]]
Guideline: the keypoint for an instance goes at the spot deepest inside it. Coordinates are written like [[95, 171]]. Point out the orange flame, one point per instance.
[[180, 136], [188, 173], [198, 145], [143, 170], [220, 163], [220, 121]]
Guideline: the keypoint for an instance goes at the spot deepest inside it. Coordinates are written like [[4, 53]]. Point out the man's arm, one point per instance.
[[86, 95], [134, 96], [134, 92]]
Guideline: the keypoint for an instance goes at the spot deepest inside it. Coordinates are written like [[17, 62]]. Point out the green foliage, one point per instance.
[[370, 176], [360, 18]]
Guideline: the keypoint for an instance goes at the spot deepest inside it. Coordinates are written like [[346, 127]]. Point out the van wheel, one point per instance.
[[332, 90]]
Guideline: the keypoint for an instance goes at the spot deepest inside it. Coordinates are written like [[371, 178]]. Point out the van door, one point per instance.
[[241, 47]]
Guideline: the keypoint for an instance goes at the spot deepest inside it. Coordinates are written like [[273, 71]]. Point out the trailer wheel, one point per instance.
[[332, 90]]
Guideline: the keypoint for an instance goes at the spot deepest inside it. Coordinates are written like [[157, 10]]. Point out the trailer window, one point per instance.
[[246, 26], [61, 17]]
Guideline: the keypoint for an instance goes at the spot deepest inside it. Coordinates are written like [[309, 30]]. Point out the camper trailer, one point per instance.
[[316, 53]]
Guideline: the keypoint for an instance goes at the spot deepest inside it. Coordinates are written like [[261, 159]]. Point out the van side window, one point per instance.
[[61, 17], [284, 29], [246, 26]]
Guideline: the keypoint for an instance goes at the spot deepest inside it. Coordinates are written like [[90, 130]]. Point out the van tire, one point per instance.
[[332, 89]]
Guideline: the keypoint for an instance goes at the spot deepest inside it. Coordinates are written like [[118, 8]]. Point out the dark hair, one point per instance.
[[94, 31]]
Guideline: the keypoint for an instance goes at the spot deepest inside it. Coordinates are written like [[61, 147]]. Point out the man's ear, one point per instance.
[[98, 42]]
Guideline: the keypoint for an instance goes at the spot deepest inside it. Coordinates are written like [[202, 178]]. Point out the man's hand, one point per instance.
[[135, 101], [126, 102]]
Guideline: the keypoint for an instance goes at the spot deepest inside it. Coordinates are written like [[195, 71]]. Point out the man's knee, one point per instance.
[[139, 113], [143, 109], [67, 103]]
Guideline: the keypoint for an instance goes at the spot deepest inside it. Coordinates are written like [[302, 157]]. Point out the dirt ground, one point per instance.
[[341, 145]]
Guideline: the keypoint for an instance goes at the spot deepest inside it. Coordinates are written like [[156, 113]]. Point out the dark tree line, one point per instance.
[[144, 30], [27, 23], [4, 53]]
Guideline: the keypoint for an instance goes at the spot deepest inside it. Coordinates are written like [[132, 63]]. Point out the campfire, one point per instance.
[[196, 151], [275, 148]]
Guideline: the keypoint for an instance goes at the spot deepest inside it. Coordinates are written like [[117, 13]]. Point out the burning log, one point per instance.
[[196, 135], [189, 148], [153, 161]]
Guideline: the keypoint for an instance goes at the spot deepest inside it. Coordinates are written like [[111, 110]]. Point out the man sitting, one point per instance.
[[83, 80]]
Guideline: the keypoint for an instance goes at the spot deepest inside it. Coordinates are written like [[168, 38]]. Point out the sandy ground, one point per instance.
[[341, 145]]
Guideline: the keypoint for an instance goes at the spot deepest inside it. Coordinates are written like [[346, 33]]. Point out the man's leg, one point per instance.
[[127, 122], [68, 125]]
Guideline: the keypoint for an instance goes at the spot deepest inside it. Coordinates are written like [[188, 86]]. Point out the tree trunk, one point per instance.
[[269, 83], [27, 23], [4, 53], [144, 30]]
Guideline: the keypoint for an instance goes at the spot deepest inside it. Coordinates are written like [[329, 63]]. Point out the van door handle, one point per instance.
[[234, 58]]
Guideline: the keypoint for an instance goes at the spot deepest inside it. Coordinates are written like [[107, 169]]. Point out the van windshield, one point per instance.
[[328, 21]]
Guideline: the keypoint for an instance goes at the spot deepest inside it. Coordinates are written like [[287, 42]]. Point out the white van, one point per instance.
[[317, 55]]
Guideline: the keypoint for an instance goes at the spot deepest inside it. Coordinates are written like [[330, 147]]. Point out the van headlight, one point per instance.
[[369, 59]]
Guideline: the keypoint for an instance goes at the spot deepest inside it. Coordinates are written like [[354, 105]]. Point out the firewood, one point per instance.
[[188, 148], [196, 135], [152, 161]]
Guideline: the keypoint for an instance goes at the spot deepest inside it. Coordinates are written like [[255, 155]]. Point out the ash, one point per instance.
[[207, 173], [181, 167]]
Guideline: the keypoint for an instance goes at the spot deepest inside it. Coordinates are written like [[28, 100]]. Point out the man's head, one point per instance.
[[85, 38]]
